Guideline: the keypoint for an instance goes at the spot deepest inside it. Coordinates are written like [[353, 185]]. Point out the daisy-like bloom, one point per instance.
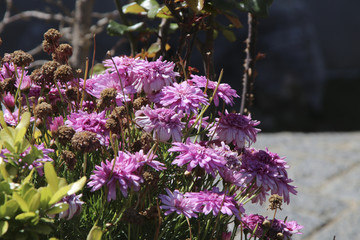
[[176, 202], [92, 122], [11, 118], [164, 123], [224, 91], [234, 128], [194, 154], [268, 172], [153, 76], [182, 97], [9, 100], [275, 226], [125, 175], [75, 205], [98, 83], [215, 201], [148, 159], [55, 124]]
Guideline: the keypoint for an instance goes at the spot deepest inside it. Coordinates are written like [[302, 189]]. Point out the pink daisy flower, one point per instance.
[[176, 202]]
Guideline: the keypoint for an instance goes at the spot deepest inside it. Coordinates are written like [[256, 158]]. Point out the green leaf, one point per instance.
[[25, 216], [62, 192], [45, 197], [117, 29], [25, 121], [154, 48], [9, 209], [29, 194], [152, 6], [77, 186], [229, 35], [196, 5], [4, 225], [42, 228], [95, 233], [29, 177], [23, 205], [58, 208], [35, 202], [34, 154], [51, 177], [3, 172], [133, 8]]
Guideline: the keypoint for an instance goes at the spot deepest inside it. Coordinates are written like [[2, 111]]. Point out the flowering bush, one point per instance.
[[161, 162]]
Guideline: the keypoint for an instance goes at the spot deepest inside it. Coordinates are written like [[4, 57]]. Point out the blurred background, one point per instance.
[[308, 81]]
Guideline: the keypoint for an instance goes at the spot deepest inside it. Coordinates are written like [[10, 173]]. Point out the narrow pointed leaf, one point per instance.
[[51, 177]]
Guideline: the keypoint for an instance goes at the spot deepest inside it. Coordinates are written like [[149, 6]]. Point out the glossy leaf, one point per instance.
[[45, 197], [229, 35], [62, 192], [258, 7], [196, 5], [164, 12], [35, 202], [77, 186], [117, 29], [4, 225], [58, 208], [25, 216]]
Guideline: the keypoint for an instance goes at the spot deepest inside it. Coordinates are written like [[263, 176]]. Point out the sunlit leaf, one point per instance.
[[154, 48], [164, 12], [25, 121], [133, 8], [29, 177], [95, 233], [9, 209], [51, 177], [23, 205], [4, 225], [196, 5], [45, 197], [62, 192], [58, 208], [77, 186], [117, 29], [35, 202], [25, 216]]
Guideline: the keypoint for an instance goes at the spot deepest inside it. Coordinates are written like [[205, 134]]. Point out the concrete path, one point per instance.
[[325, 168]]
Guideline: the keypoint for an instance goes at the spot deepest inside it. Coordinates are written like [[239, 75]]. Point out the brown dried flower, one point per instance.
[[42, 110], [21, 58], [85, 141]]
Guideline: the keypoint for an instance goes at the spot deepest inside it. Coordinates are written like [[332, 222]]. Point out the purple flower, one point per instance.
[[254, 221], [268, 171], [56, 123], [98, 83], [9, 100], [74, 209], [11, 118], [194, 155], [224, 91], [148, 159], [164, 123], [176, 202], [215, 201], [153, 76], [234, 128], [182, 97], [92, 122], [124, 174]]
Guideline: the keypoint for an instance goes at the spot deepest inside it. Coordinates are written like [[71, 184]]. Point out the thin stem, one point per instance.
[[85, 77]]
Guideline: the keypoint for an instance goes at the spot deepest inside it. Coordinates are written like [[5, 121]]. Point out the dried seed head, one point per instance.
[[139, 102], [146, 142], [21, 58], [64, 74], [51, 40], [85, 141], [151, 179], [113, 124], [132, 216], [6, 58], [150, 213], [37, 77], [63, 53], [275, 202], [42, 110], [48, 70], [69, 158], [119, 112], [72, 93], [64, 134], [8, 85], [108, 95]]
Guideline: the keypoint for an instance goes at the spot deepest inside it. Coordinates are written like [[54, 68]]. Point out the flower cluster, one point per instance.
[[150, 142]]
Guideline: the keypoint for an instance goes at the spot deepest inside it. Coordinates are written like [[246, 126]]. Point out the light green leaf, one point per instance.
[[58, 208], [95, 233], [35, 202], [23, 205], [29, 177], [133, 8], [164, 12], [45, 197], [117, 29], [154, 48], [77, 186], [149, 4], [62, 192], [25, 121], [3, 172], [9, 209], [51, 177], [30, 193], [25, 216], [4, 225]]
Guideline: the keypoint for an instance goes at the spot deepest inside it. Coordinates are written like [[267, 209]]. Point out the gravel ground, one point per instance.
[[325, 168]]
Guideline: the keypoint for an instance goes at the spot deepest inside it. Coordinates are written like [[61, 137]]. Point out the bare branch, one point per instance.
[[110, 15], [36, 50], [60, 5], [35, 14]]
